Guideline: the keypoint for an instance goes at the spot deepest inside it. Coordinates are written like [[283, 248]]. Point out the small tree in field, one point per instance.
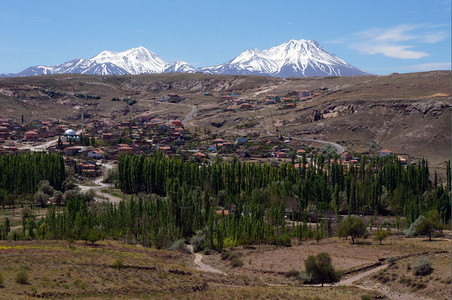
[[321, 269], [380, 235], [353, 227], [429, 225]]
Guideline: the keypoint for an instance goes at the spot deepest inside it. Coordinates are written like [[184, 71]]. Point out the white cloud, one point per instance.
[[394, 51], [428, 67], [388, 41]]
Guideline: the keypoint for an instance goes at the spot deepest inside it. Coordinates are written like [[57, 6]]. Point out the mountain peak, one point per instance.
[[294, 58]]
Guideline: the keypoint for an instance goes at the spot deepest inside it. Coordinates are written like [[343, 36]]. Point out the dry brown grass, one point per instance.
[[57, 270]]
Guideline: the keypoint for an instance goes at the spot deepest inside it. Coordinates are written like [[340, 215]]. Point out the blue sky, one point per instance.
[[381, 37]]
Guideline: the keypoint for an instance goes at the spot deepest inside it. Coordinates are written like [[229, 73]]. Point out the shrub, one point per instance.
[[410, 232], [236, 262], [1, 280], [207, 251], [292, 273], [366, 297], [118, 264], [423, 267], [225, 255], [22, 277], [180, 246], [380, 235], [305, 278], [198, 241], [391, 260]]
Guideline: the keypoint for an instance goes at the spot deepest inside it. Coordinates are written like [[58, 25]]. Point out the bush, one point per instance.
[[423, 267], [22, 277], [391, 260], [180, 246], [198, 241], [225, 255], [305, 278], [236, 262], [380, 235], [292, 273], [1, 280], [410, 232], [118, 264]]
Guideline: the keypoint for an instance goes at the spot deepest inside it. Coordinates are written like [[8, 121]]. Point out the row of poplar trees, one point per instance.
[[21, 173]]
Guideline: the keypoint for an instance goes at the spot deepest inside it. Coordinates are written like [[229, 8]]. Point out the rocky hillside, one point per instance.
[[407, 113]]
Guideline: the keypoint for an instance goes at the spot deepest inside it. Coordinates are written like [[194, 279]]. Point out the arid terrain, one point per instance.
[[407, 113], [60, 269]]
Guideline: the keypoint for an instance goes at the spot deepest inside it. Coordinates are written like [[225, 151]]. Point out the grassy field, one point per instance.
[[109, 269]]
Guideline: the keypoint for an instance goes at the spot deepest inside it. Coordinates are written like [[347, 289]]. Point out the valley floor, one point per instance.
[[111, 269]]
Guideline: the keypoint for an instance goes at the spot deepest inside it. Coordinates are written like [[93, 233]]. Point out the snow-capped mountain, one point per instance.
[[77, 66], [133, 61], [299, 58], [179, 66]]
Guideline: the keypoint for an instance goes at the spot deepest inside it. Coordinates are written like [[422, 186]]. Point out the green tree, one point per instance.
[[380, 235], [429, 225], [321, 269], [353, 227]]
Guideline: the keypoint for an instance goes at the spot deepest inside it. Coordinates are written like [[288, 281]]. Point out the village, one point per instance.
[[88, 145]]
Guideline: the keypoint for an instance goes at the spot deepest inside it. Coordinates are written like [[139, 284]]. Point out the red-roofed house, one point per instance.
[[199, 156], [176, 123], [385, 152], [31, 135]]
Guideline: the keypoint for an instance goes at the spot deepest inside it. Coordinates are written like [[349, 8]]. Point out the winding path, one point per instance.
[[189, 116], [339, 149], [202, 266], [99, 185]]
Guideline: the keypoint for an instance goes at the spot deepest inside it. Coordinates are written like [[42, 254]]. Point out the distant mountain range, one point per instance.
[[295, 58]]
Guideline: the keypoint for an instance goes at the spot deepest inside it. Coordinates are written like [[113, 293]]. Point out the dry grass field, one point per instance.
[[112, 270]]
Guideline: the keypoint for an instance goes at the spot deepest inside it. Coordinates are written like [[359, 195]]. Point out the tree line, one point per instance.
[[21, 173], [380, 185]]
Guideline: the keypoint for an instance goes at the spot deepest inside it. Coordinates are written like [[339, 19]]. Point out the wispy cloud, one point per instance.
[[396, 42], [142, 31], [428, 67], [393, 51]]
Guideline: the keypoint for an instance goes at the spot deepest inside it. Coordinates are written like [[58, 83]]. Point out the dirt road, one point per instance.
[[202, 266], [378, 287], [339, 148], [99, 186]]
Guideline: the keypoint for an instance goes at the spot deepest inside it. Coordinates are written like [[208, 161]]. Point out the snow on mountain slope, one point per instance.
[[179, 66], [135, 61], [293, 58]]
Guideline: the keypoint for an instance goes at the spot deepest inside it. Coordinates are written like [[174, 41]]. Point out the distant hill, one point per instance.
[[406, 113]]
